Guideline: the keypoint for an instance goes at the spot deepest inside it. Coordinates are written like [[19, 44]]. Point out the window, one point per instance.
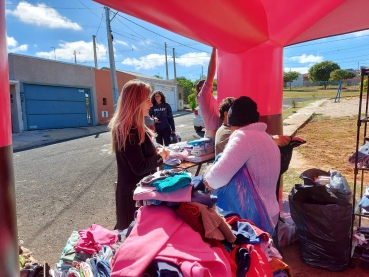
[[104, 101]]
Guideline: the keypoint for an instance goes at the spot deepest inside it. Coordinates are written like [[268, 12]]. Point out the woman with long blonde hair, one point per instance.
[[133, 147]]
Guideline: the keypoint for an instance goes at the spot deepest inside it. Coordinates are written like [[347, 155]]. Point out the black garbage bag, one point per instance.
[[323, 227], [338, 183]]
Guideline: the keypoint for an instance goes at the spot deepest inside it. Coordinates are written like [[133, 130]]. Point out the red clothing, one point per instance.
[[160, 234]]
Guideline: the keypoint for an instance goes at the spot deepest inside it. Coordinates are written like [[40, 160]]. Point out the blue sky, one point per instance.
[[55, 29]]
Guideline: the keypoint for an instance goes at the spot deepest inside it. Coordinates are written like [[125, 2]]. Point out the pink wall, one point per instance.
[[104, 90]]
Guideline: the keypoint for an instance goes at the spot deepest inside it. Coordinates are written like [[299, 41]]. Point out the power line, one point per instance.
[[102, 16], [159, 34], [322, 42], [49, 7], [89, 9]]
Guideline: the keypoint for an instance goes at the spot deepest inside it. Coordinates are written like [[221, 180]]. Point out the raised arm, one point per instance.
[[212, 66]]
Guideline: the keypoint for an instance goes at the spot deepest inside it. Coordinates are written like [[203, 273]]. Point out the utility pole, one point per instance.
[[114, 83], [75, 57], [166, 59], [54, 52], [174, 64], [94, 45], [202, 72]]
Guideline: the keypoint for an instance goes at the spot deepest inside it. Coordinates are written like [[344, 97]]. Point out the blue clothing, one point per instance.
[[163, 112], [172, 183]]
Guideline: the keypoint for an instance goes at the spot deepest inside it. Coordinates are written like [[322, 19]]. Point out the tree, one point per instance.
[[339, 75], [158, 76], [187, 87], [320, 72], [289, 77]]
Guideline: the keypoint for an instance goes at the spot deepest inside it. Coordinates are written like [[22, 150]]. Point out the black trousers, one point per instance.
[[163, 135]]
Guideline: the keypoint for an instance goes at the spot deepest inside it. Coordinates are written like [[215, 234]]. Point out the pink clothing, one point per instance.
[[160, 234], [251, 146], [92, 239], [150, 193], [209, 107]]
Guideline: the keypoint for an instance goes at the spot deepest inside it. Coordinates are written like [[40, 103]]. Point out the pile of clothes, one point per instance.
[[87, 253], [193, 151], [177, 231]]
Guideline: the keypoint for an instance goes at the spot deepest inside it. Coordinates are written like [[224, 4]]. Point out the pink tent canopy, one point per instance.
[[250, 36]]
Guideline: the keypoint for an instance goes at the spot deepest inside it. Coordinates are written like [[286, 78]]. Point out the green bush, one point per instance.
[[192, 101]]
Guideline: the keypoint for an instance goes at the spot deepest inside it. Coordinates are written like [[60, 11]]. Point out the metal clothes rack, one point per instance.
[[360, 170]]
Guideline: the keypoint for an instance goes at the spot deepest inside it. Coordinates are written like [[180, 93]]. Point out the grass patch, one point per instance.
[[331, 141], [298, 105], [290, 178], [319, 92]]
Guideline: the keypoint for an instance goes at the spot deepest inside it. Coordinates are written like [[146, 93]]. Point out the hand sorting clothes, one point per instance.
[[193, 151]]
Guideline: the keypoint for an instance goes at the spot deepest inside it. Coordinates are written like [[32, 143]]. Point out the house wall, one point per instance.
[[104, 93], [49, 72]]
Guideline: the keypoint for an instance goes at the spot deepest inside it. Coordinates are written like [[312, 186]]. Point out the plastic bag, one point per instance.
[[286, 227], [323, 227], [337, 184], [241, 197]]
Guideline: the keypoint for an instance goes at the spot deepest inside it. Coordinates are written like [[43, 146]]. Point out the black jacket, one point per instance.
[[164, 113]]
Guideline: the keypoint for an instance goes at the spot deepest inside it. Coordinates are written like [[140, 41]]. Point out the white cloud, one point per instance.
[[301, 70], [84, 51], [191, 59], [121, 42], [13, 45], [154, 60], [150, 61], [42, 15], [361, 33], [11, 41], [134, 47], [307, 58]]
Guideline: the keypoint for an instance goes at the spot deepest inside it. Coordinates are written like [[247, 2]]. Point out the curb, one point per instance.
[[20, 149], [302, 125]]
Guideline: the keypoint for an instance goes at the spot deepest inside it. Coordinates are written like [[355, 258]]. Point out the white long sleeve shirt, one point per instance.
[[252, 146]]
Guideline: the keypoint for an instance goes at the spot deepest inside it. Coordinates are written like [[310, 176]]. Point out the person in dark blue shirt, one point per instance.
[[164, 122]]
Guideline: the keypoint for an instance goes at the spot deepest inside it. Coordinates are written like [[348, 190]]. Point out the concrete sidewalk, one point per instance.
[[32, 139]]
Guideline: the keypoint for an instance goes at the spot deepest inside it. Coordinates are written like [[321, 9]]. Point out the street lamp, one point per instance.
[[54, 52]]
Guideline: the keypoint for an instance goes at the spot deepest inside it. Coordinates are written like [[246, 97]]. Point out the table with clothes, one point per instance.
[[186, 155], [177, 231]]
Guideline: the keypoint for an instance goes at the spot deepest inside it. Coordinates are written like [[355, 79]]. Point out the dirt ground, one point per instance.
[[331, 139], [330, 136]]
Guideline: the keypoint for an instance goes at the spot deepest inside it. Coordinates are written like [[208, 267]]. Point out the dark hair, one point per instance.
[[244, 111], [199, 84], [153, 101], [225, 105]]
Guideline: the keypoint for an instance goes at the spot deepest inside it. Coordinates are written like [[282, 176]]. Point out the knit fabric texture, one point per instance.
[[214, 224], [172, 183]]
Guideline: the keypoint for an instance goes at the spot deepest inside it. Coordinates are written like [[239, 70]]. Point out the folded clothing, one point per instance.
[[148, 180], [198, 159], [92, 239], [150, 193], [172, 183]]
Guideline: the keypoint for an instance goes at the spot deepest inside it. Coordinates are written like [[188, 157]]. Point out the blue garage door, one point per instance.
[[50, 107]]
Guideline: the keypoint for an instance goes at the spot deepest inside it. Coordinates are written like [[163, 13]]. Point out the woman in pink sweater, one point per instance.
[[249, 145]]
